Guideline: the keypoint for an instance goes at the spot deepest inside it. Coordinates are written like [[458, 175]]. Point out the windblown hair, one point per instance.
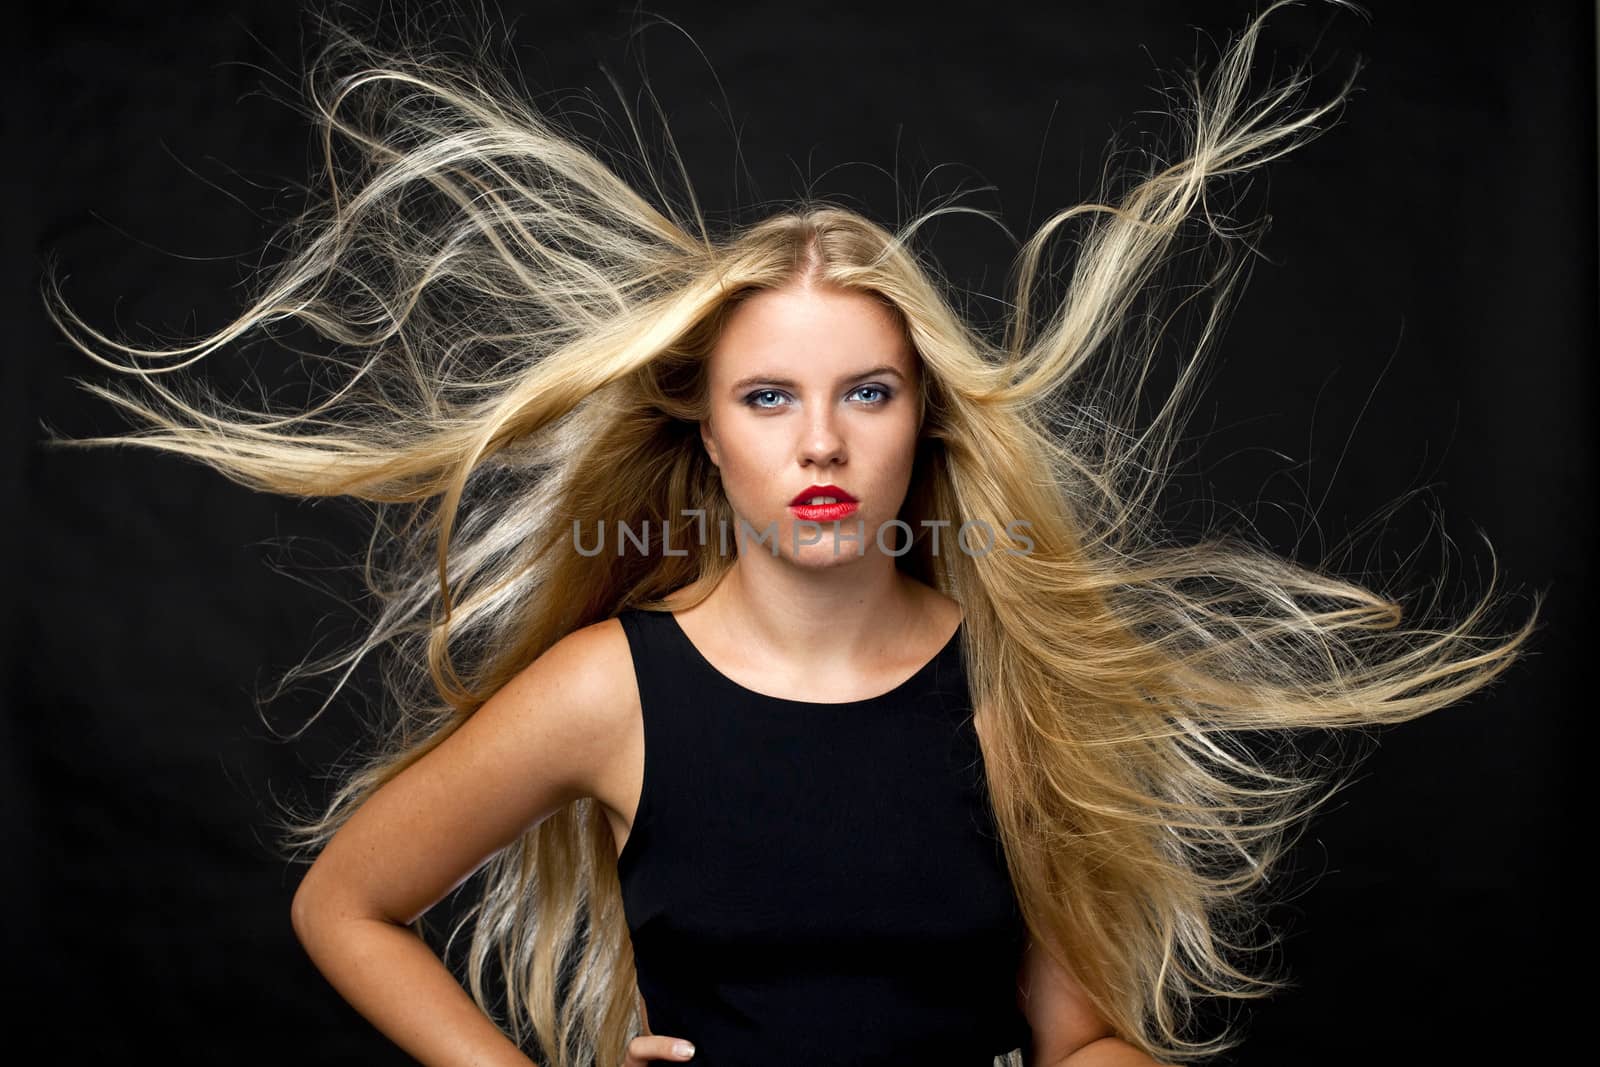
[[531, 336]]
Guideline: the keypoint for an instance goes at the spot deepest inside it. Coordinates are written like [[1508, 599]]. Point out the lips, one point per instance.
[[805, 496], [844, 504]]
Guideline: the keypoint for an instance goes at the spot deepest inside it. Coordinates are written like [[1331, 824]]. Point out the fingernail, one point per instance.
[[682, 1048]]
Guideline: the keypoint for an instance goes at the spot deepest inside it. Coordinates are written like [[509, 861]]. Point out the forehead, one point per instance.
[[821, 329]]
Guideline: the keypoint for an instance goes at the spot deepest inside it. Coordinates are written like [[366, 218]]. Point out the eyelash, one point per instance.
[[887, 392]]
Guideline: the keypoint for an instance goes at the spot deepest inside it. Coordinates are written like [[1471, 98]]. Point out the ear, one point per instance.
[[707, 439]]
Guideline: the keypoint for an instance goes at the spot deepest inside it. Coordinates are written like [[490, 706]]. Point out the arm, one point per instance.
[[393, 978], [536, 745], [1067, 1030]]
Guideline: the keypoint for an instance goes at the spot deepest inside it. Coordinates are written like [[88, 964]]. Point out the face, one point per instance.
[[813, 387]]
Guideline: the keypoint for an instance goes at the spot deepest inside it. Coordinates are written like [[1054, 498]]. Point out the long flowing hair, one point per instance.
[[522, 338]]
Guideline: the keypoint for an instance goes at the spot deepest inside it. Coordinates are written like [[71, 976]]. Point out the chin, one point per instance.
[[820, 557], [822, 553]]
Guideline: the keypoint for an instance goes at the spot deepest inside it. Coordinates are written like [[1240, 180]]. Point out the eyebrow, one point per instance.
[[790, 383]]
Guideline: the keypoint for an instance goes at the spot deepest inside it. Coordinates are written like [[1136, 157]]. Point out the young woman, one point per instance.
[[801, 674]]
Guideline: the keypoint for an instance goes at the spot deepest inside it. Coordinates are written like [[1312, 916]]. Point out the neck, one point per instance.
[[816, 615]]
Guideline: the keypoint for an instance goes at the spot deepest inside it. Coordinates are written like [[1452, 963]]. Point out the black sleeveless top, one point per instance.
[[817, 883]]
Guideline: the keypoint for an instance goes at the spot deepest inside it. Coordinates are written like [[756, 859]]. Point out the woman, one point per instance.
[[678, 817]]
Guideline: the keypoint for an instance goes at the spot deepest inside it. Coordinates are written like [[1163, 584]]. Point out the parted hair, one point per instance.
[[522, 338]]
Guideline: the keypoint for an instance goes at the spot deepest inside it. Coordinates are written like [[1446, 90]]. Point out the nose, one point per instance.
[[822, 445]]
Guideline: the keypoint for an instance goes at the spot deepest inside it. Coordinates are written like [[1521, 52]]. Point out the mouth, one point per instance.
[[823, 503]]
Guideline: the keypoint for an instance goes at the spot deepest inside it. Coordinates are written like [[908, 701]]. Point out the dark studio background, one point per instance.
[[1424, 316]]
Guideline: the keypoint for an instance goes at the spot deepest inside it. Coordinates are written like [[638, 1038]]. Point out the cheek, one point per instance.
[[746, 452], [894, 446], [750, 463]]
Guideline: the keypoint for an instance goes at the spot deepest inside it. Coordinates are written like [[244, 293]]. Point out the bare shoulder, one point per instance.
[[597, 661], [592, 671]]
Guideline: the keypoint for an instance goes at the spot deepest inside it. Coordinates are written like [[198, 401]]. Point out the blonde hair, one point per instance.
[[531, 335]]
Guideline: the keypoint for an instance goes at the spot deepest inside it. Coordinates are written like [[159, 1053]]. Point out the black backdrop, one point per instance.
[[1424, 316]]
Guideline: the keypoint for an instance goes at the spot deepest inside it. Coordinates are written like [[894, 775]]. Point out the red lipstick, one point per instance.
[[845, 506]]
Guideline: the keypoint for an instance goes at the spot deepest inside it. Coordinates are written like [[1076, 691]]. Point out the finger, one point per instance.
[[648, 1047]]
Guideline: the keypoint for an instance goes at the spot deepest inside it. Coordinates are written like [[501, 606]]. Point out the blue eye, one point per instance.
[[883, 394], [750, 400]]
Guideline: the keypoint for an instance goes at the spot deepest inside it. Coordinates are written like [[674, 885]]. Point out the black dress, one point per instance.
[[817, 883]]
